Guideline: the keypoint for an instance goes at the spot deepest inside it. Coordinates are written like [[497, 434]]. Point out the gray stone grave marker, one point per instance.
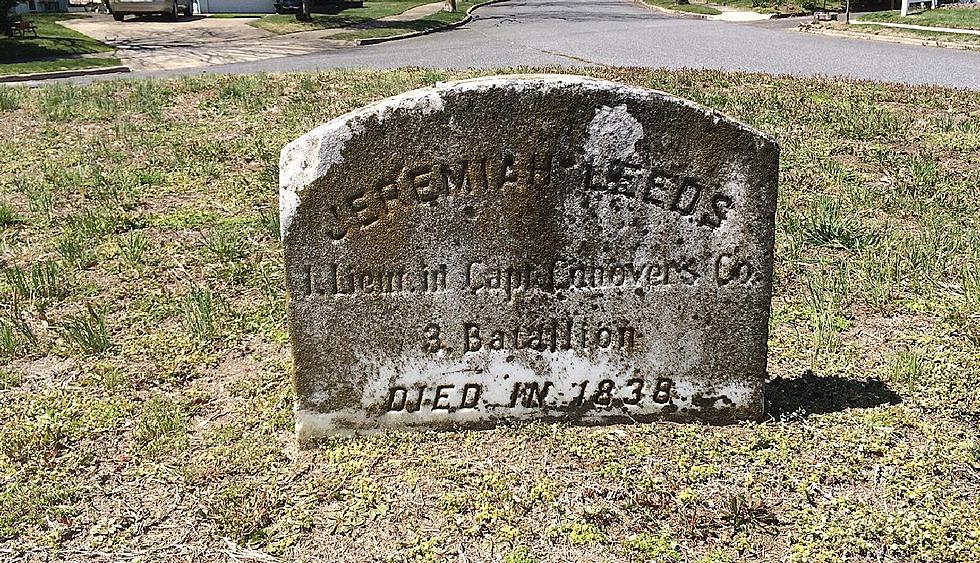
[[527, 247]]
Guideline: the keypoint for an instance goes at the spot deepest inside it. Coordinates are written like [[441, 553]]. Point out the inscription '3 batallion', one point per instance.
[[548, 247]]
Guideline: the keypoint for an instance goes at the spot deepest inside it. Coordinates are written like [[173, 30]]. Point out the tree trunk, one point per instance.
[[450, 6], [303, 14]]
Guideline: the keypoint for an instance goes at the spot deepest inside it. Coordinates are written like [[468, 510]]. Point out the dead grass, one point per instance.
[[153, 200]]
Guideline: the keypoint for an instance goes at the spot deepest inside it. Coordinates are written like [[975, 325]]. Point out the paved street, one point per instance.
[[615, 32]]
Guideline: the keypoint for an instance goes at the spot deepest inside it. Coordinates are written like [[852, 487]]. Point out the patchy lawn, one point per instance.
[[896, 34], [145, 404], [697, 8], [959, 18], [387, 29], [56, 47], [57, 64], [372, 10]]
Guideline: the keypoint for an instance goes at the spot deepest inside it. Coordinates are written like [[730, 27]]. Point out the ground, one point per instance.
[[54, 48], [144, 382]]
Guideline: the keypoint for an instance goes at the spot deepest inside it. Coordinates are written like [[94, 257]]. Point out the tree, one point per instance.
[[7, 22]]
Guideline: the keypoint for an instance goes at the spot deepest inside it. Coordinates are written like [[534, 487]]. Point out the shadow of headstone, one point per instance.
[[810, 394]]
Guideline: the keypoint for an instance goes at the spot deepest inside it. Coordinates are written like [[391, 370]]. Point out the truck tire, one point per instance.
[[118, 17]]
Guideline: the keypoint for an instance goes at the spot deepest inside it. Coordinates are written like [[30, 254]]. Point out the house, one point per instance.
[[41, 6]]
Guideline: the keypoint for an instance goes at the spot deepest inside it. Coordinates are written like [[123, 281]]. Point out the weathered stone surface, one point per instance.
[[547, 247]]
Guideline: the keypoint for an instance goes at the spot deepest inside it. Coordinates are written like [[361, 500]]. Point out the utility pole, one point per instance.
[[847, 12]]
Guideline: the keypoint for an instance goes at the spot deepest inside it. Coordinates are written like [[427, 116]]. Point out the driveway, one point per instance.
[[153, 43], [612, 32]]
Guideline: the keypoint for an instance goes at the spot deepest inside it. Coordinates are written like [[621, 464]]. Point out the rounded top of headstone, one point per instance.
[[311, 156]]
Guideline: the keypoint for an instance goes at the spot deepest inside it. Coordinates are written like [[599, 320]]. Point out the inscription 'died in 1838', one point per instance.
[[546, 247]]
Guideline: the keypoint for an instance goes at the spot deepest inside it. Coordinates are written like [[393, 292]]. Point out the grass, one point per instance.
[[156, 422], [57, 65], [687, 8], [934, 38], [430, 22], [761, 6], [958, 18], [785, 7], [55, 48], [371, 11]]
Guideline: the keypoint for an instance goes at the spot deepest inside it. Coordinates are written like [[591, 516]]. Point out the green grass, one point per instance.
[[372, 10], [952, 40], [959, 18], [144, 367], [688, 8], [784, 6], [56, 65], [53, 41], [387, 29]]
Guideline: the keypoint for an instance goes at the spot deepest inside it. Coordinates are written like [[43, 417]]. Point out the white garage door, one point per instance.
[[236, 6]]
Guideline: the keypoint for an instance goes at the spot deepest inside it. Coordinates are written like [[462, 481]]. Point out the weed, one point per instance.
[[198, 309], [908, 367], [827, 226], [132, 246], [9, 379], [580, 533], [9, 343], [224, 243], [520, 555], [61, 102], [72, 251], [269, 223], [41, 203], [87, 331], [7, 215], [742, 512], [162, 428], [654, 547], [9, 98], [16, 323]]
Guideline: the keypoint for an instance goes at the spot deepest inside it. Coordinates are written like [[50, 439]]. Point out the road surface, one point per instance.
[[619, 33]]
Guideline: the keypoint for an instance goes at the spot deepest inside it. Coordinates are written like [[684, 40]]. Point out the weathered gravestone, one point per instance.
[[532, 247]]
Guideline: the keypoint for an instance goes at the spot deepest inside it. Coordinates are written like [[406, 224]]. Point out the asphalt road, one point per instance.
[[616, 32]]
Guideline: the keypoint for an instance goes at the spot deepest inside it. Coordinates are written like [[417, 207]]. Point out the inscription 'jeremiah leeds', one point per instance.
[[546, 247], [513, 171]]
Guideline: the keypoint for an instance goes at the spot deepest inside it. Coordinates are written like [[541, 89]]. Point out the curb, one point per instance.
[[464, 21], [928, 28], [939, 44], [63, 74]]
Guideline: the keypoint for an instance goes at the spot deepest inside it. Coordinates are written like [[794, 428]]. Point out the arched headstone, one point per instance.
[[527, 247]]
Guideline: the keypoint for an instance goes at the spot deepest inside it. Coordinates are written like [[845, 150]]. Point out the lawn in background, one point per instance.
[[689, 8], [372, 10], [933, 38], [55, 48], [427, 23], [145, 403], [959, 18]]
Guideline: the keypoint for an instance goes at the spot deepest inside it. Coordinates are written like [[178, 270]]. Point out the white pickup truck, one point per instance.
[[171, 8]]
